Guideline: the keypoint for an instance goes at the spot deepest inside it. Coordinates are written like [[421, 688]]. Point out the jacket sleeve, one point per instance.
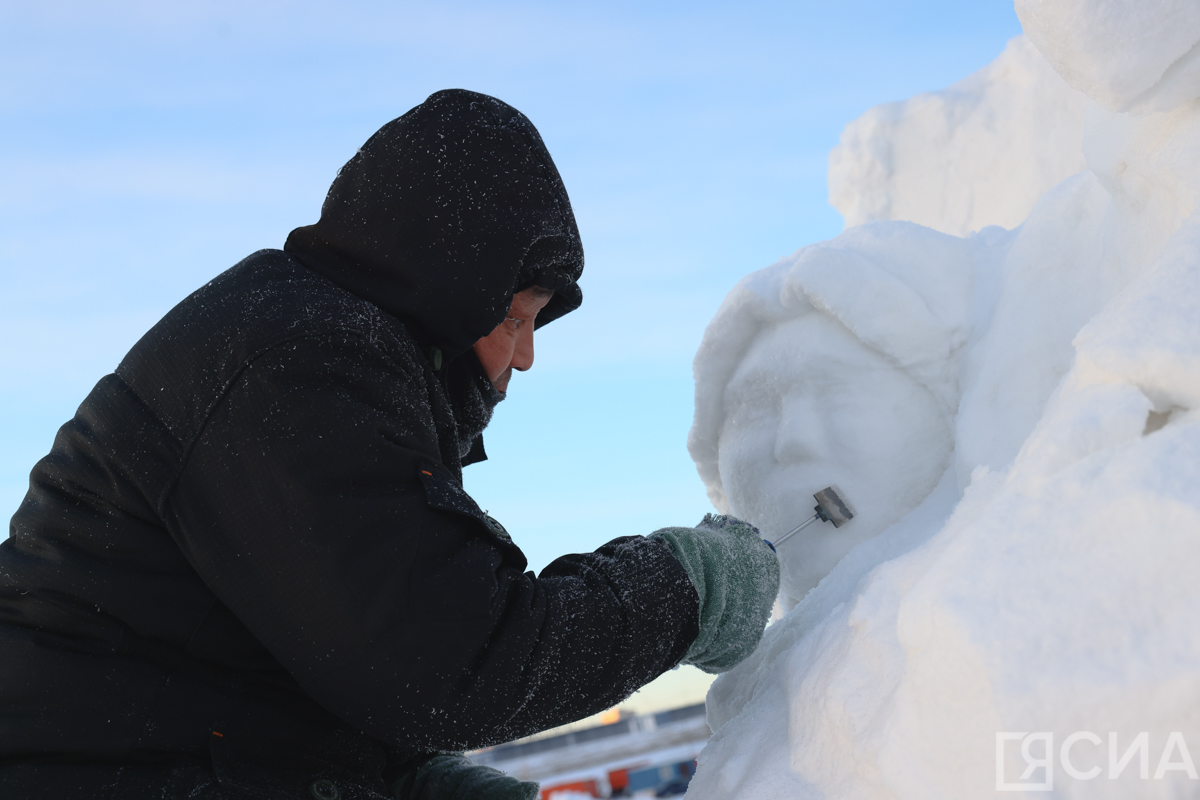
[[314, 505]]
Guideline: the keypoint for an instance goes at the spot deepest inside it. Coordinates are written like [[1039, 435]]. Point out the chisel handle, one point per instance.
[[794, 531]]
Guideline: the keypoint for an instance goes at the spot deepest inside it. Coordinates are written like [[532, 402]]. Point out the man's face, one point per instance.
[[510, 345]]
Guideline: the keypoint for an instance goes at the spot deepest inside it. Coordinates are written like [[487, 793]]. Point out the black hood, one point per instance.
[[442, 215]]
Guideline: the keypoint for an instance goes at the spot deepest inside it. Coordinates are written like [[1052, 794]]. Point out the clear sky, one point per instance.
[[147, 146]]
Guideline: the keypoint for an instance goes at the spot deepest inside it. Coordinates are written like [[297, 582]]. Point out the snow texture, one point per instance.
[[978, 153], [1016, 417], [1127, 56]]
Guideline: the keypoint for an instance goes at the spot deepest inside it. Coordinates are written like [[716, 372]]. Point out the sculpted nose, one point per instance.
[[801, 434]]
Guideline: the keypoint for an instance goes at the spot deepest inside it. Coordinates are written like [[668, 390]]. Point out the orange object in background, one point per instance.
[[585, 787], [610, 716], [618, 780]]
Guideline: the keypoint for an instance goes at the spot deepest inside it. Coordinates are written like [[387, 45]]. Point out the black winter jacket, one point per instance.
[[256, 526]]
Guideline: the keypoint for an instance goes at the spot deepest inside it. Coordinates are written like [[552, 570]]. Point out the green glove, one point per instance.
[[736, 575], [452, 776]]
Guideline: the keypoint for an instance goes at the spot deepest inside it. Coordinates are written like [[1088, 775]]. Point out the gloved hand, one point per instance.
[[452, 776], [736, 575]]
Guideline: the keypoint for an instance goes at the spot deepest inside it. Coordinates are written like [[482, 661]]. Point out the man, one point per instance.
[[248, 567]]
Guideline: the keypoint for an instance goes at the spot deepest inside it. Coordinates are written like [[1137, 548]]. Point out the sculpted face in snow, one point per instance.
[[810, 406], [835, 366]]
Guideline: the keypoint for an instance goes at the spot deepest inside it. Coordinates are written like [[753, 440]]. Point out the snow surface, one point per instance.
[[1127, 56], [1016, 417], [978, 153]]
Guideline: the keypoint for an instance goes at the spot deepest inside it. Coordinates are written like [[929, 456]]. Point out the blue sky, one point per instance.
[[145, 147]]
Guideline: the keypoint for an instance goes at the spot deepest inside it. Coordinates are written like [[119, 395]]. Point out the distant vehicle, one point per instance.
[[674, 788], [636, 756], [576, 788]]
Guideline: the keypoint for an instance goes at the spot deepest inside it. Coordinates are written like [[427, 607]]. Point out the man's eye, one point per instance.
[[514, 322]]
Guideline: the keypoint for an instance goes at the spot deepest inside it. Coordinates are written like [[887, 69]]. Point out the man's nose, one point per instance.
[[522, 358]]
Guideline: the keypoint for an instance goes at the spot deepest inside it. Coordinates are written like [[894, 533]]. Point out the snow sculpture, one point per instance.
[[837, 365], [1127, 56], [1046, 586], [978, 153]]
